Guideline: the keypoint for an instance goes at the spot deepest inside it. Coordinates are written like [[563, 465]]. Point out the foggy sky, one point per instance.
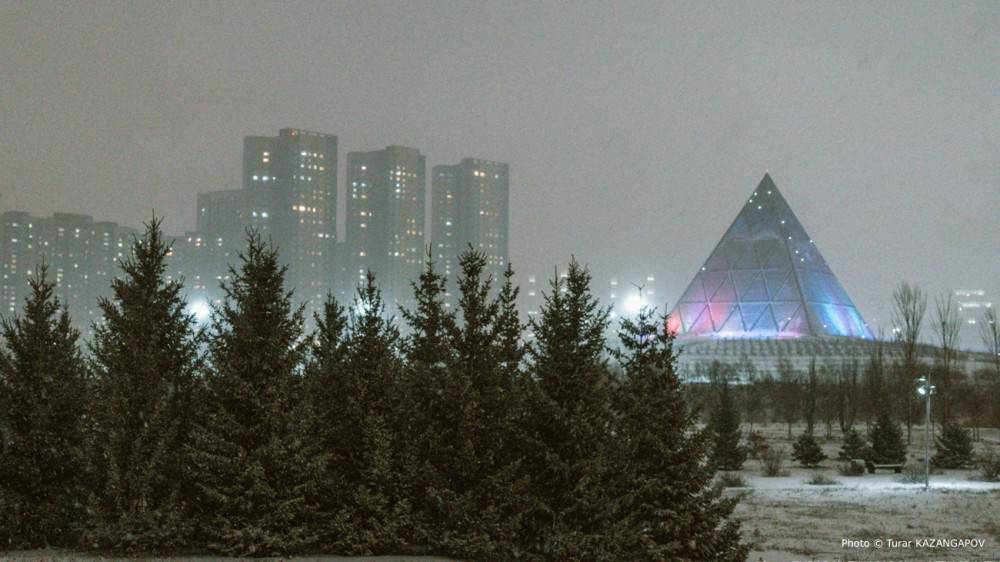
[[635, 131]]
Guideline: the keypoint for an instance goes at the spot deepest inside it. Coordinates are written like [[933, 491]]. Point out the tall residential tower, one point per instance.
[[470, 207], [290, 196], [385, 219]]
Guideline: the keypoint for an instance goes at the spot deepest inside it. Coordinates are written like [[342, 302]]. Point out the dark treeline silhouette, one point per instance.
[[253, 437], [831, 399]]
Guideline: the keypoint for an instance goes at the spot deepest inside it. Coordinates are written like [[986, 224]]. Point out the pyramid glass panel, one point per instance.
[[769, 272], [752, 313], [756, 293]]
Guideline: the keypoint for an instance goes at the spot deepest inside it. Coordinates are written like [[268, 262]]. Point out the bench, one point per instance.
[[897, 468]]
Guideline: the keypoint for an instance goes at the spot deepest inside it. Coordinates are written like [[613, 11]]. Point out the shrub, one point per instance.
[[855, 446], [773, 461], [731, 480], [911, 475], [821, 479], [756, 445], [807, 451], [988, 463], [954, 447], [849, 468]]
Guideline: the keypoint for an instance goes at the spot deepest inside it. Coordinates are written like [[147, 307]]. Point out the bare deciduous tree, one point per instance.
[[909, 307], [876, 383], [946, 326], [811, 402], [989, 329], [754, 405], [787, 395], [847, 396]]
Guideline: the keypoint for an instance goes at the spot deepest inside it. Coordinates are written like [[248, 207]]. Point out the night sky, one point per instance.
[[635, 131]]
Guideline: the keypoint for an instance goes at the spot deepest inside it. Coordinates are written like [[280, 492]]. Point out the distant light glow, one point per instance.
[[201, 311], [633, 304]]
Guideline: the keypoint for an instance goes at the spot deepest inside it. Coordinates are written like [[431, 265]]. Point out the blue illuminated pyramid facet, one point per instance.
[[766, 279]]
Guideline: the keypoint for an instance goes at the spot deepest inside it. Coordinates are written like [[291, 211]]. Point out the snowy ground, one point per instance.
[[788, 519]]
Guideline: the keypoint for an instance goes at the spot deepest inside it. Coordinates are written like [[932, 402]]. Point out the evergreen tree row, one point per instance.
[[252, 437]]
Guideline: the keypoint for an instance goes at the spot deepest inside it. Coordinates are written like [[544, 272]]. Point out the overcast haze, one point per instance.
[[635, 131]]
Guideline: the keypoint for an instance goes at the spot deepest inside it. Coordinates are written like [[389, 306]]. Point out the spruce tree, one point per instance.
[[323, 387], [145, 356], [250, 462], [886, 438], [437, 411], [464, 400], [724, 422], [568, 420], [954, 447], [807, 451], [42, 410], [508, 330], [485, 355], [664, 505], [507, 484], [855, 446], [375, 516]]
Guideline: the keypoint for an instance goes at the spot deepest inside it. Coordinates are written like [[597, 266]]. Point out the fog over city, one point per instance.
[[635, 132]]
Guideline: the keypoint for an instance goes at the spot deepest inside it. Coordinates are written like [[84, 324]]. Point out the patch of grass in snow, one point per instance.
[[731, 480], [911, 475], [822, 479]]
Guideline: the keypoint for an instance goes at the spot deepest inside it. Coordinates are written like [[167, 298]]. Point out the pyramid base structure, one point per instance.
[[829, 354]]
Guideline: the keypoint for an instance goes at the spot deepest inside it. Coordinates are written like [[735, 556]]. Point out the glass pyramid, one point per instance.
[[766, 279]]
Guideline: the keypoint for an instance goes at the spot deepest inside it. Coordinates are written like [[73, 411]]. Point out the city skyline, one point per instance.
[[289, 198], [633, 131]]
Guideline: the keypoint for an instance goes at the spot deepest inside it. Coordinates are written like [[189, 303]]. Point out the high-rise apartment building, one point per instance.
[[470, 206], [290, 196], [385, 219], [19, 239], [972, 305], [203, 257], [220, 215], [81, 255]]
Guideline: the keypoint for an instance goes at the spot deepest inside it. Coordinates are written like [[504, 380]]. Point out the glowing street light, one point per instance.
[[926, 389]]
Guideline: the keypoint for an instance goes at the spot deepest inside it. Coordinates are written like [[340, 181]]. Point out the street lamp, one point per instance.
[[926, 389]]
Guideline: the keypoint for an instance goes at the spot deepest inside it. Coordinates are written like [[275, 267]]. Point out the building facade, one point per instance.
[[385, 220], [290, 197], [81, 256], [470, 208]]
